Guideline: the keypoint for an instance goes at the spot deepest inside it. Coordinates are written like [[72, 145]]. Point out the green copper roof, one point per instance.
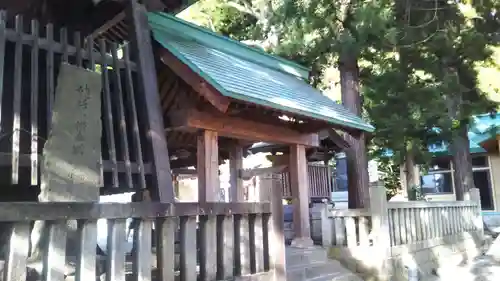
[[247, 74]]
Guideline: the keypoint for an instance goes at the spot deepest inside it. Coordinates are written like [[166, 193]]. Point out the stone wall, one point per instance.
[[425, 258], [315, 223]]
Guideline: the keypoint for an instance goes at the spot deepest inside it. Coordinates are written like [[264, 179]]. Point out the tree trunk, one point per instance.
[[412, 178], [356, 155], [459, 145], [462, 163]]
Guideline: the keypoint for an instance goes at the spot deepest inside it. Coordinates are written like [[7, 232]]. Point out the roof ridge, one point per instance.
[[274, 62]]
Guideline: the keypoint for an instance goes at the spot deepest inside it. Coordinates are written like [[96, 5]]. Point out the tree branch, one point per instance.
[[245, 8]]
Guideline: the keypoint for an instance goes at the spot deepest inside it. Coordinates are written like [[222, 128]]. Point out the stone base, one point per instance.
[[302, 242]]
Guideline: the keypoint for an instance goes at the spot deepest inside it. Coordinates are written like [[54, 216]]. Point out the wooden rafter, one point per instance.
[[198, 84]]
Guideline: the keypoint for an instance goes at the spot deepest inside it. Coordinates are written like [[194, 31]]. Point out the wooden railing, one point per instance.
[[349, 228], [236, 240], [411, 222], [394, 231], [405, 222]]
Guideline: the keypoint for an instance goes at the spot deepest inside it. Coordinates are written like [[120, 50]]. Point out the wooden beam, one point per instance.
[[248, 174], [198, 84], [240, 128], [105, 27], [184, 171], [208, 167], [337, 139]]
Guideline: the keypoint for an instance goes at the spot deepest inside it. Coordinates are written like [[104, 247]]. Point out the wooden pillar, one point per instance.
[[300, 196], [150, 110], [208, 167], [236, 192]]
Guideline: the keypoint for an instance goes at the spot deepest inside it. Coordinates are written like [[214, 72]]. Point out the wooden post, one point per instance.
[[276, 233], [151, 110], [326, 226], [380, 225], [478, 218], [208, 167], [208, 191], [300, 196], [236, 193]]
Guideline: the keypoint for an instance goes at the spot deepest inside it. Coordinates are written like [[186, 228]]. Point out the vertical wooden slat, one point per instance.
[[3, 28], [15, 268], [121, 116], [397, 227], [115, 262], [340, 239], [141, 43], [16, 127], [439, 221], [166, 229], [276, 242], [266, 227], [413, 223], [49, 30], [142, 257], [418, 224], [434, 222], [225, 247], [90, 53], [34, 103], [78, 46], [259, 243], [350, 226], [402, 229], [86, 263], [208, 265], [188, 248], [244, 245], [55, 258], [132, 109], [108, 114], [251, 243], [428, 234], [363, 231], [408, 224], [91, 66], [390, 216], [63, 38]]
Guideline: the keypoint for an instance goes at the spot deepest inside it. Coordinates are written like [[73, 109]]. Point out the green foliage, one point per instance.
[[389, 175], [423, 64]]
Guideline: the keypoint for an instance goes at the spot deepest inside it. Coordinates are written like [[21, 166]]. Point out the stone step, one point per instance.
[[336, 277], [297, 257], [321, 271]]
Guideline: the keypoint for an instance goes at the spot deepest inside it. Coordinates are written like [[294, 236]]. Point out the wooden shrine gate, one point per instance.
[[237, 241]]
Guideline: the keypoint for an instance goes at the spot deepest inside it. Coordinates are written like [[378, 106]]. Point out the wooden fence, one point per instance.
[[393, 240], [30, 58], [235, 240], [320, 182], [406, 222]]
